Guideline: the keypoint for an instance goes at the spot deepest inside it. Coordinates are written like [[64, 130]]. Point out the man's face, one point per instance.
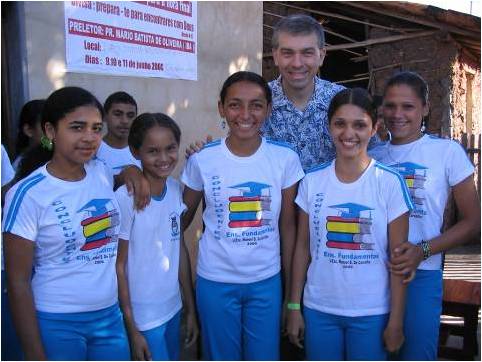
[[298, 58], [119, 119]]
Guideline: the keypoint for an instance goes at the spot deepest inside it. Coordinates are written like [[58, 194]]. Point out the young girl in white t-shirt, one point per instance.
[[433, 167], [353, 211], [62, 222], [248, 184], [152, 259]]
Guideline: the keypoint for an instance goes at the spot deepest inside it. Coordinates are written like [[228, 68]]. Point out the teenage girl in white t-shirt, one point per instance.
[[152, 259], [352, 212], [248, 184], [432, 167], [62, 223]]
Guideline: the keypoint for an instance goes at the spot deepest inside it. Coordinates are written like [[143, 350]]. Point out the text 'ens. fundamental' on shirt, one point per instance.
[[348, 274], [74, 227], [241, 242]]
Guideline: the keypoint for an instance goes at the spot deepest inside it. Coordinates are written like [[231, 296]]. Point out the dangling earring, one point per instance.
[[223, 124], [422, 129], [46, 143]]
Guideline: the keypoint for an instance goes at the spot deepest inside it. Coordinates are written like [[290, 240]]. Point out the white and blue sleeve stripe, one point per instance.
[[212, 144], [280, 144], [17, 199], [321, 166], [403, 185]]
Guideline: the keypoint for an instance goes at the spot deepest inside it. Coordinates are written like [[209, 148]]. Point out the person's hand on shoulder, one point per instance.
[[197, 146], [137, 185]]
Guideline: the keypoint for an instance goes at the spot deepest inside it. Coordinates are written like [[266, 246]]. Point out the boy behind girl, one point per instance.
[[120, 110]]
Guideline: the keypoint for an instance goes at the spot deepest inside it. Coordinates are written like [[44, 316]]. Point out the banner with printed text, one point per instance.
[[133, 38]]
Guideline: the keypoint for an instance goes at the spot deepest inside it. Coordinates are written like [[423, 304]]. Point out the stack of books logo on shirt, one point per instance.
[[415, 176], [349, 229], [98, 226], [251, 208]]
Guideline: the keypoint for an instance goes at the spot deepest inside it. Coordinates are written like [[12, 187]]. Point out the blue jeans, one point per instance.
[[240, 321], [423, 307], [85, 336], [163, 341], [338, 338]]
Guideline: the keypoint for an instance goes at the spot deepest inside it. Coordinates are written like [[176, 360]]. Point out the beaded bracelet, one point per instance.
[[426, 249]]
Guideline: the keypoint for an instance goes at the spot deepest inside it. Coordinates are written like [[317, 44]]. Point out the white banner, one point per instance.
[[135, 38]]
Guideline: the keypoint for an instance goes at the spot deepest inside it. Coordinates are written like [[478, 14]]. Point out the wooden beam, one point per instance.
[[413, 19], [327, 30], [358, 55], [363, 58], [469, 41], [399, 64], [267, 55], [351, 80], [272, 14], [366, 74], [469, 55], [338, 16], [387, 39], [465, 50], [346, 51], [351, 52]]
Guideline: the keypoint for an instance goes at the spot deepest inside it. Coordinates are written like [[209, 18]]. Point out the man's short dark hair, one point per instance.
[[119, 97], [298, 24]]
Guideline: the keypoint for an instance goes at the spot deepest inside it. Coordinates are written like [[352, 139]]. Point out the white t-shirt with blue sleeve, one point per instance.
[[154, 236], [430, 167], [241, 241], [116, 159], [74, 227], [349, 243]]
